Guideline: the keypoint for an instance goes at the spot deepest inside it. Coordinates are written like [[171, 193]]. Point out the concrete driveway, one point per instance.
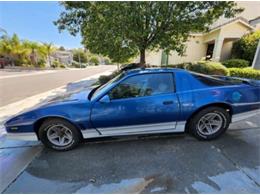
[[150, 164]]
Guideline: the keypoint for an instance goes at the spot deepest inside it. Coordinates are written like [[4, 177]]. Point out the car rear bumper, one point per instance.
[[23, 136], [245, 115]]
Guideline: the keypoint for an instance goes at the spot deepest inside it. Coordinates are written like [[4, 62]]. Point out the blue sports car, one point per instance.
[[141, 101]]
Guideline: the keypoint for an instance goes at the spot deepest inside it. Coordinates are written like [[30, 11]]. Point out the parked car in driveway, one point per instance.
[[141, 101]]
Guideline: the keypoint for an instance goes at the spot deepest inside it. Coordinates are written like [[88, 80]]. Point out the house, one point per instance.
[[64, 57], [216, 44]]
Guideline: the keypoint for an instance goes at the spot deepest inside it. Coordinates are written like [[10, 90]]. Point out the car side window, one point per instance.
[[143, 85]]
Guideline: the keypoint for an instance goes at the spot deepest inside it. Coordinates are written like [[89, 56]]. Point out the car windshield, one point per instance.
[[105, 86]]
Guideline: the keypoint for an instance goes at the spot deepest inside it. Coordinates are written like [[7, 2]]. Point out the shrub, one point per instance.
[[62, 66], [107, 61], [75, 64], [55, 64], [79, 55], [249, 73], [208, 67], [181, 66], [105, 78], [94, 60], [41, 63], [236, 63], [245, 47], [126, 67]]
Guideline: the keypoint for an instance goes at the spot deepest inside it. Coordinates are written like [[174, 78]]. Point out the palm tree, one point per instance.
[[49, 49], [11, 48], [33, 48]]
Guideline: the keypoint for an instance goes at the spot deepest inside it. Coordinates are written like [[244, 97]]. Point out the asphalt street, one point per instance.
[[17, 86]]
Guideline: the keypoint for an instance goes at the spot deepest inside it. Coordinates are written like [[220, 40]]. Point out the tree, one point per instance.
[[94, 60], [33, 48], [61, 48], [106, 60], [49, 49], [13, 49], [121, 30], [245, 47], [80, 56]]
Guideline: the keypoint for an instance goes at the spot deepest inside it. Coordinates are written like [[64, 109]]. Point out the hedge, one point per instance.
[[204, 67], [246, 46], [105, 78], [245, 73], [236, 63], [181, 66], [208, 67]]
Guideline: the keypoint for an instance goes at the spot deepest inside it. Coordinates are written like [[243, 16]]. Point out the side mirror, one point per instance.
[[105, 99]]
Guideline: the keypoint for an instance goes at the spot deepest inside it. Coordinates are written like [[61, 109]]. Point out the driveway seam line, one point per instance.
[[18, 175], [14, 147], [237, 166]]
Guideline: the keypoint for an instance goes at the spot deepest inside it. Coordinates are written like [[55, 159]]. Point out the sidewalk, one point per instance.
[[36, 100]]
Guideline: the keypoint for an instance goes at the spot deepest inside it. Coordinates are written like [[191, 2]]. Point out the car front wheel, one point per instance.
[[209, 123], [59, 134]]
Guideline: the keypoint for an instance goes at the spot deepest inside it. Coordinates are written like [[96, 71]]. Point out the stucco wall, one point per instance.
[[196, 49], [153, 57], [226, 50], [234, 30], [211, 36]]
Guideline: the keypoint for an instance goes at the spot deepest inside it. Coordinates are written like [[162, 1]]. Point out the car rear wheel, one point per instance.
[[209, 123], [59, 134]]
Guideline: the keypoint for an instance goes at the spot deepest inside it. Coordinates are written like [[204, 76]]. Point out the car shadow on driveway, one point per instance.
[[149, 164]]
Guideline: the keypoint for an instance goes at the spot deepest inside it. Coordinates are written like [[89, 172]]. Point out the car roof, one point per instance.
[[152, 70]]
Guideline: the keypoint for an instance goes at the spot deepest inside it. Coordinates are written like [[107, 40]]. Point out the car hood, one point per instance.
[[70, 97], [64, 99]]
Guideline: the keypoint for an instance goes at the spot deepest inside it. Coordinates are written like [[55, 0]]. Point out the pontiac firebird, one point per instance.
[[141, 101]]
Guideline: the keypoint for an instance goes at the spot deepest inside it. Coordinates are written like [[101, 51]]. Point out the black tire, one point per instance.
[[76, 136], [193, 125]]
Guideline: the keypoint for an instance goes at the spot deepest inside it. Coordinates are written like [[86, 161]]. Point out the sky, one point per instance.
[[34, 21]]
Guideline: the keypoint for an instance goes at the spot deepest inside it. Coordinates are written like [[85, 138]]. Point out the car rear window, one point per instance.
[[211, 81]]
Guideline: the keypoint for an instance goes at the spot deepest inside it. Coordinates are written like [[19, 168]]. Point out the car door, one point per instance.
[[139, 104]]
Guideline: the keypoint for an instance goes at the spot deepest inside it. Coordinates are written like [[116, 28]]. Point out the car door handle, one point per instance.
[[167, 102]]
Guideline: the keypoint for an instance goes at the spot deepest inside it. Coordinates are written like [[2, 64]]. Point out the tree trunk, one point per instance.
[[142, 57], [49, 58]]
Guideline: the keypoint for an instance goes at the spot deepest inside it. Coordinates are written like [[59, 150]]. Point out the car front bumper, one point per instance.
[[23, 136]]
